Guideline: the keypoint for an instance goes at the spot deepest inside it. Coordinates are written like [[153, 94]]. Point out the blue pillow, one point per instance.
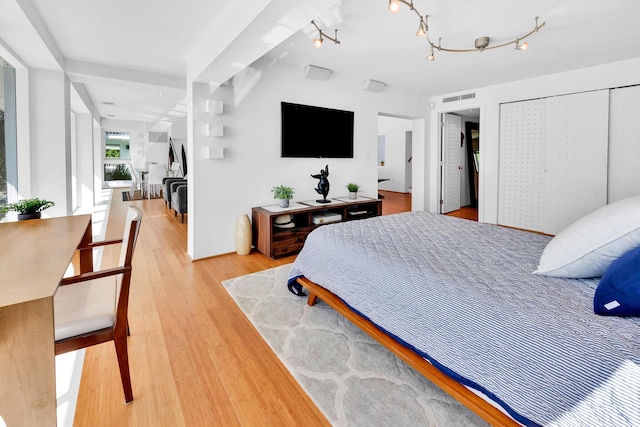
[[618, 293]]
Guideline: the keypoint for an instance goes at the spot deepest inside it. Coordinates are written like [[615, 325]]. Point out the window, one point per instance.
[[8, 148], [117, 145], [116, 156]]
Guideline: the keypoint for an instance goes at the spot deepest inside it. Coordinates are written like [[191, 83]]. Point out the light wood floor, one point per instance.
[[195, 359]]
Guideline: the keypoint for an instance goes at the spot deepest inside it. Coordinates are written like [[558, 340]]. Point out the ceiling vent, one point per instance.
[[373, 85], [316, 73], [459, 97], [158, 136]]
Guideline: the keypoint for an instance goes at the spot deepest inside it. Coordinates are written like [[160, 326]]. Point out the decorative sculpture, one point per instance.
[[323, 185]]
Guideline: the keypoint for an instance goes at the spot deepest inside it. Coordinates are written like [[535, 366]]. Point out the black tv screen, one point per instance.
[[309, 131]]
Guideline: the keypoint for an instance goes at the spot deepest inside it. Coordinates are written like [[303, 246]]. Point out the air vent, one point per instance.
[[459, 97], [158, 136]]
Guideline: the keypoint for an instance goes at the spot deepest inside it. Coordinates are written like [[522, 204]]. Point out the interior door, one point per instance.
[[451, 136]]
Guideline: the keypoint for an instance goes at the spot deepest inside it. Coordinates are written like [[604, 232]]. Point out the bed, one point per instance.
[[458, 301]]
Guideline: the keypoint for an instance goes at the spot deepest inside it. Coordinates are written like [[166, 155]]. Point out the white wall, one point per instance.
[[488, 99], [49, 141], [84, 160], [229, 187], [395, 131]]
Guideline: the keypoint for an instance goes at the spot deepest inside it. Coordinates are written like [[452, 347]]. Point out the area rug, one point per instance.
[[350, 377], [126, 197]]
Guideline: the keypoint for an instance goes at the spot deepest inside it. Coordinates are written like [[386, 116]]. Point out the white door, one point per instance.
[[451, 134], [408, 171], [553, 160], [624, 143]]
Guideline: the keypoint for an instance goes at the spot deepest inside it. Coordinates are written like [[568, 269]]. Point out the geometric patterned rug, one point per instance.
[[352, 379]]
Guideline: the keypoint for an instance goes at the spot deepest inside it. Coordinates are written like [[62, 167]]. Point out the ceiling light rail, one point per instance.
[[481, 43], [317, 42]]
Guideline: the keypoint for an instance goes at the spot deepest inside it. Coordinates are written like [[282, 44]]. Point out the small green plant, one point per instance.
[[282, 192], [353, 188], [27, 206]]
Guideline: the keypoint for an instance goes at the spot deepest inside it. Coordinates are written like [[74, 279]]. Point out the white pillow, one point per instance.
[[587, 247]]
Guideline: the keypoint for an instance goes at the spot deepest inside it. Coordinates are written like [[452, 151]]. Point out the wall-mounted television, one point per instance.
[[309, 131]]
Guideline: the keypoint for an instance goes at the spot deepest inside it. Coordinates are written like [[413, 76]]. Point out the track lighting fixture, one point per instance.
[[317, 42], [481, 43]]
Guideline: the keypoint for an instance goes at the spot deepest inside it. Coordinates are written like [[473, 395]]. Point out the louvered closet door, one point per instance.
[[521, 178], [553, 160], [451, 163], [624, 143]]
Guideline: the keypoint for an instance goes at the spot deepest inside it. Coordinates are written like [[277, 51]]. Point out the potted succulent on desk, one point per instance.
[[27, 208], [284, 194], [353, 190]]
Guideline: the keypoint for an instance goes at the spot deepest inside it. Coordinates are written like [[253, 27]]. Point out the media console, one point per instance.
[[277, 241]]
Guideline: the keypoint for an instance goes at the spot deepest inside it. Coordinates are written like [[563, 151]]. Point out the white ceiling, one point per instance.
[[135, 54]]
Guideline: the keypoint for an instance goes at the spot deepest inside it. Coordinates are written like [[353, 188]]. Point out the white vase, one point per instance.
[[284, 203], [243, 235], [353, 195]]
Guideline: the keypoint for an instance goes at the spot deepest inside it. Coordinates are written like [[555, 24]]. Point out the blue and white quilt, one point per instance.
[[463, 295]]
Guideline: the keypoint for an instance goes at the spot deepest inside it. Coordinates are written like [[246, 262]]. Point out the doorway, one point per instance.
[[460, 162], [395, 145]]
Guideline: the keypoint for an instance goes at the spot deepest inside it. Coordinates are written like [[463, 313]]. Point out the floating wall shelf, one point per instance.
[[213, 129], [214, 152], [213, 106]]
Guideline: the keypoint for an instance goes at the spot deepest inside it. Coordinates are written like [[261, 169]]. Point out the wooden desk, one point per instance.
[[34, 255]]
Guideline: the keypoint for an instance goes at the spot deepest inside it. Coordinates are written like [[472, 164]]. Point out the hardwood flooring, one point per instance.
[[393, 202], [465, 212], [195, 359]]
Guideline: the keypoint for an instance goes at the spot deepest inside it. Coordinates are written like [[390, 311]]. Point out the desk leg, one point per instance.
[[86, 255], [27, 364]]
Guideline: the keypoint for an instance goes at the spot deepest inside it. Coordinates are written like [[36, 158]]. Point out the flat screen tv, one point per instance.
[[309, 131]]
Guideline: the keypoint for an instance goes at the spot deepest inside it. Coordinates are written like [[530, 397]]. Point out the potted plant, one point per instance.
[[27, 208], [284, 194], [353, 190]]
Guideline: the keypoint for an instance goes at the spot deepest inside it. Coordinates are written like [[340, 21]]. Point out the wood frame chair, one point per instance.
[[84, 314]]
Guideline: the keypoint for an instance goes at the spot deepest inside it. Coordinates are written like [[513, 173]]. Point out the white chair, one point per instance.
[[175, 169], [154, 181], [134, 184], [91, 308]]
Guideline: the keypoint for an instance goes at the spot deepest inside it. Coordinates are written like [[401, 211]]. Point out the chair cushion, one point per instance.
[[84, 307]]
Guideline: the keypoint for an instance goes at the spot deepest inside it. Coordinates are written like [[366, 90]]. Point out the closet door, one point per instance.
[[553, 160], [521, 175], [451, 162], [576, 146], [624, 143]]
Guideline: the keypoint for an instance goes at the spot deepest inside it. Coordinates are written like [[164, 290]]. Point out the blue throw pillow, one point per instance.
[[618, 293]]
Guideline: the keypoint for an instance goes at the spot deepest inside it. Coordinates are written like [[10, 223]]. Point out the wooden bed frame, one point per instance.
[[475, 403]]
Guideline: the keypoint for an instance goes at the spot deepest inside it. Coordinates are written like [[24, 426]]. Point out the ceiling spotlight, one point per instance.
[[481, 43], [317, 42], [421, 29], [431, 56]]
